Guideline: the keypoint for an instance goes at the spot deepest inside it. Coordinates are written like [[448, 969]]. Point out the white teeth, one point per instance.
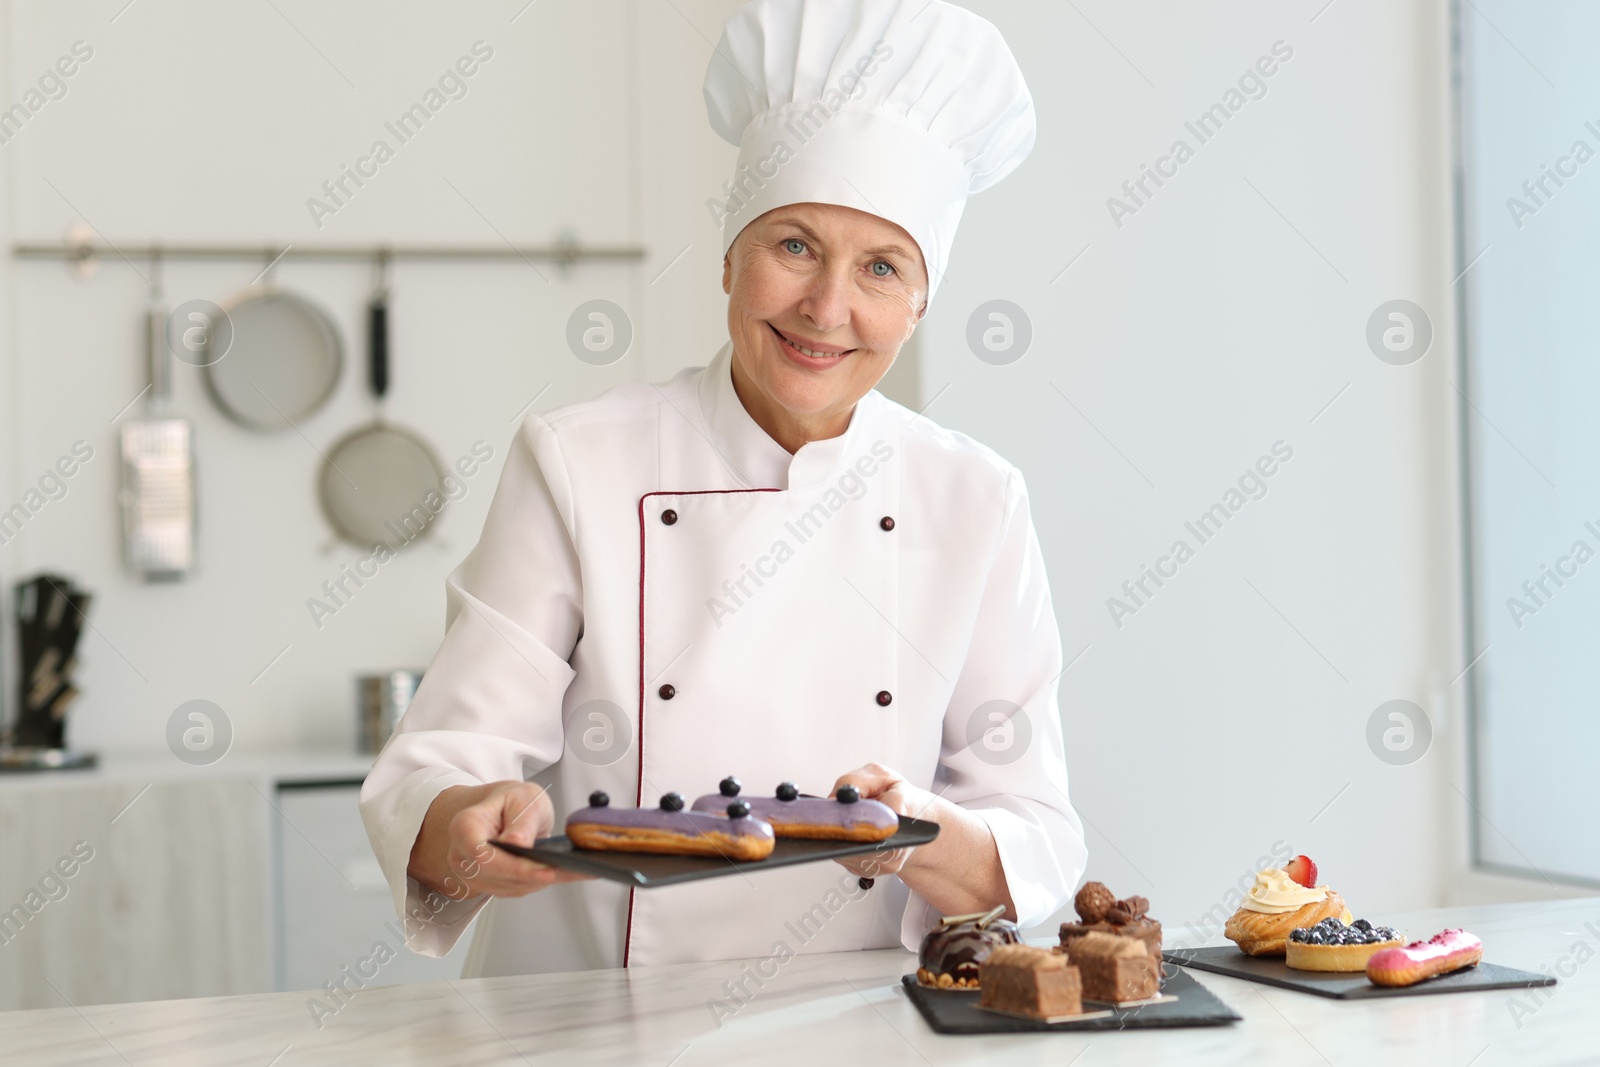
[[814, 355]]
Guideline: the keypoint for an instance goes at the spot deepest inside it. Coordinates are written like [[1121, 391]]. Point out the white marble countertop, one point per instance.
[[843, 1008]]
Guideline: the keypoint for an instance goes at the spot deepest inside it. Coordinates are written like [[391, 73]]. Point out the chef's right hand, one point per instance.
[[452, 854]]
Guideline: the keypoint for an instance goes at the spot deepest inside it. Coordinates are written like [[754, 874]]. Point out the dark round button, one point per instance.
[[848, 794], [864, 883], [738, 809], [887, 522], [885, 698], [729, 786], [598, 799], [787, 791], [667, 692], [669, 516], [671, 801]]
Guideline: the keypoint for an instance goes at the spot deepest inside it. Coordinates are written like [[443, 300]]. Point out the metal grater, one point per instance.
[[158, 506], [158, 497]]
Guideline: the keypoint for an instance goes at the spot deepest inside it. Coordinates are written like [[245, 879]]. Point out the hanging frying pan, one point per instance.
[[381, 483], [282, 363]]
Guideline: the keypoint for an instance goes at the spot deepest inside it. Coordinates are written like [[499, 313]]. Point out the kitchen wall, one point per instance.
[[184, 125], [1183, 332], [1175, 341]]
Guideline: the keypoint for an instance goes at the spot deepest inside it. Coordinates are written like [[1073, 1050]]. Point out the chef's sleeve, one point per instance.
[[489, 705], [1002, 755]]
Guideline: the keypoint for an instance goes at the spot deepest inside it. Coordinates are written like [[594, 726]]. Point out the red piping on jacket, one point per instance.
[[638, 789]]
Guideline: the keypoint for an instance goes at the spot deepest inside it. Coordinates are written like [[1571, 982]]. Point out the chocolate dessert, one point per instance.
[[952, 951], [1115, 969], [1035, 982], [1100, 912]]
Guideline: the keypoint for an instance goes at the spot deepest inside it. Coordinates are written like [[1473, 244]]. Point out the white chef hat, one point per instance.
[[900, 108]]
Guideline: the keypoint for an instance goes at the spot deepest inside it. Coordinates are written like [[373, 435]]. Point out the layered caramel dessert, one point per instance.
[[1036, 982], [1115, 969]]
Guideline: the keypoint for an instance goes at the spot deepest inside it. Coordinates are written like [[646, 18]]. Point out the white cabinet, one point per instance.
[[335, 916], [249, 876], [167, 896]]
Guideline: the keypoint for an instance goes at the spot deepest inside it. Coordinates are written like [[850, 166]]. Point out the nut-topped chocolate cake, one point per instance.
[[1036, 982], [1101, 912], [1115, 969], [953, 950]]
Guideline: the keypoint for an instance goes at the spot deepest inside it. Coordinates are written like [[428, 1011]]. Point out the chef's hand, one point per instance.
[[883, 784], [956, 873], [452, 854]]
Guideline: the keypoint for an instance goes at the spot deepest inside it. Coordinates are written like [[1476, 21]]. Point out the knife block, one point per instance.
[[50, 613]]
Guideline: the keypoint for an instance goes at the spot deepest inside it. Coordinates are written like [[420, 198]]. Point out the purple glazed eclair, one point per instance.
[[844, 817], [670, 830]]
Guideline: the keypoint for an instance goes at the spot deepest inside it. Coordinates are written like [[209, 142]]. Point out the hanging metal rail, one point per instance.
[[563, 253]]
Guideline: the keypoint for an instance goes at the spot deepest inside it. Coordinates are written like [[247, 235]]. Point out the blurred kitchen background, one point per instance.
[[1247, 300]]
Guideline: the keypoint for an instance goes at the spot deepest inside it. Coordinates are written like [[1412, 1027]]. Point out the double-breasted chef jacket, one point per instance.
[[663, 596]]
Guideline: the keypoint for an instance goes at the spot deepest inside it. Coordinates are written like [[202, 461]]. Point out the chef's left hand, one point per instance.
[[957, 872], [884, 784]]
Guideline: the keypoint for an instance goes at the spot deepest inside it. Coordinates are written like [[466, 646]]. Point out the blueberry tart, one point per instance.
[[1330, 945]]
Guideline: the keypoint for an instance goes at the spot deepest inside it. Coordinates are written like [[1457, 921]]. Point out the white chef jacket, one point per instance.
[[662, 596]]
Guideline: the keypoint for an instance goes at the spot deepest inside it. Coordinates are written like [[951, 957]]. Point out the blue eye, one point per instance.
[[795, 245], [885, 272]]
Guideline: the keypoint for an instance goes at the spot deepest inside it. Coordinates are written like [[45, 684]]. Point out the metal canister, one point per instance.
[[381, 700]]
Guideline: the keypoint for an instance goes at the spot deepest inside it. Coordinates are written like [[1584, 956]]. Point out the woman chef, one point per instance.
[[762, 567]]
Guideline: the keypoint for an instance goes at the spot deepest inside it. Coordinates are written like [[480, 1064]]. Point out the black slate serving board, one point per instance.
[[956, 1011], [1271, 970], [645, 870]]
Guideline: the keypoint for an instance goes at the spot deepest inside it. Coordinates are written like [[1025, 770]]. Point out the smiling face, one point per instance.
[[821, 298]]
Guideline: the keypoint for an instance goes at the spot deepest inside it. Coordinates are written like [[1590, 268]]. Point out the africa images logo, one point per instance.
[[802, 126], [1252, 85], [850, 488], [1251, 485]]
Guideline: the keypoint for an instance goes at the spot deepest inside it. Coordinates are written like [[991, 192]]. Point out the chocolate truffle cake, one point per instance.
[[953, 950], [1100, 912]]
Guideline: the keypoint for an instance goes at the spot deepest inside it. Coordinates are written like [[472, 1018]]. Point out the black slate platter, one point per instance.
[[644, 870], [956, 1011], [1270, 970]]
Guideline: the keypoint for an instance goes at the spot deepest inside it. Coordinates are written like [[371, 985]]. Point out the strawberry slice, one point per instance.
[[1302, 870]]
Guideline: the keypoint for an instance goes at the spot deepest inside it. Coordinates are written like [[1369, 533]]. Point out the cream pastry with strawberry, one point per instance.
[[1279, 902]]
